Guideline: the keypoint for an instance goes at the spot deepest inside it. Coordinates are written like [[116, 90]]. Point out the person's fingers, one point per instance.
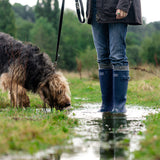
[[120, 14]]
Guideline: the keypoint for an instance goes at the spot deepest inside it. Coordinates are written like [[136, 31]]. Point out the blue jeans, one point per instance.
[[110, 41]]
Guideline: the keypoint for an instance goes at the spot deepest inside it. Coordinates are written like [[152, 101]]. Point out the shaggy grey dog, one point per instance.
[[24, 68]]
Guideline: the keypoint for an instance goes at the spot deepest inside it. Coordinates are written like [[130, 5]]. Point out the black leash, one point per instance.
[[59, 32], [80, 12]]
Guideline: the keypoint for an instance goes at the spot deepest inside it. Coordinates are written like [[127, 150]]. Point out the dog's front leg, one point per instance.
[[44, 106]]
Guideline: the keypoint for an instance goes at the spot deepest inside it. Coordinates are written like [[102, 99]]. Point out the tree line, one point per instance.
[[39, 25]]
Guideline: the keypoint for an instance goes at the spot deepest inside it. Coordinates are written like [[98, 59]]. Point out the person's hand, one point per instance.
[[120, 14]]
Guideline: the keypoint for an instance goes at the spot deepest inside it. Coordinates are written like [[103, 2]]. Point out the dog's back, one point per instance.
[[14, 53], [4, 52]]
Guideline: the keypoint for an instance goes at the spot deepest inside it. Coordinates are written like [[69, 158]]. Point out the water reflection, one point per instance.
[[106, 136], [109, 143], [113, 132]]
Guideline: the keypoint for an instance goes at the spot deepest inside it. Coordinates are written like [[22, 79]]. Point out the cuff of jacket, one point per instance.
[[124, 5]]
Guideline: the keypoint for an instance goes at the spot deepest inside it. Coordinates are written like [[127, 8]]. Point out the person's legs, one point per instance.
[[101, 41], [110, 44], [117, 42]]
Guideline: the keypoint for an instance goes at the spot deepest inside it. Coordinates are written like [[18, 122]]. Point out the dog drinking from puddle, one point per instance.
[[24, 68]]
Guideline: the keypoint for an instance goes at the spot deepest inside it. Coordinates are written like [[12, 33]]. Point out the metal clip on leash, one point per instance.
[[59, 32], [80, 10]]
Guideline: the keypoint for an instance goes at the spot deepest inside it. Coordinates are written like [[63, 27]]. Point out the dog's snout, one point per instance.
[[68, 104]]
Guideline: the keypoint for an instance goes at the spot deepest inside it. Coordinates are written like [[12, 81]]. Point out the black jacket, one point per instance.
[[106, 11]]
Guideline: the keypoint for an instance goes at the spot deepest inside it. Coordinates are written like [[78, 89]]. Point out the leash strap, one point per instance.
[[80, 10], [59, 32]]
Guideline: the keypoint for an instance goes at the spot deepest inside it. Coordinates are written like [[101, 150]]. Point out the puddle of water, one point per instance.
[[101, 136], [107, 136]]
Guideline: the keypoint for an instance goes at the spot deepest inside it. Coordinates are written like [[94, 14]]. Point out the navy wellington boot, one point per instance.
[[120, 80], [106, 84]]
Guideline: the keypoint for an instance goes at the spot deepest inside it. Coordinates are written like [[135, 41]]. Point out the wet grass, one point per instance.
[[145, 92], [150, 146], [84, 91], [31, 130]]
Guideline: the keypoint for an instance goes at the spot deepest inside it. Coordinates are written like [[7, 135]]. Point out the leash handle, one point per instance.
[[59, 32], [80, 10]]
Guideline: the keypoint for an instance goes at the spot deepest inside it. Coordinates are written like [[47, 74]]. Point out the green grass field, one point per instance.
[[31, 130], [150, 146]]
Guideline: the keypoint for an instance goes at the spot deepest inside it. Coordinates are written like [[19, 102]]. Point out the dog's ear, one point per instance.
[[59, 85], [46, 93], [53, 82], [43, 91]]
